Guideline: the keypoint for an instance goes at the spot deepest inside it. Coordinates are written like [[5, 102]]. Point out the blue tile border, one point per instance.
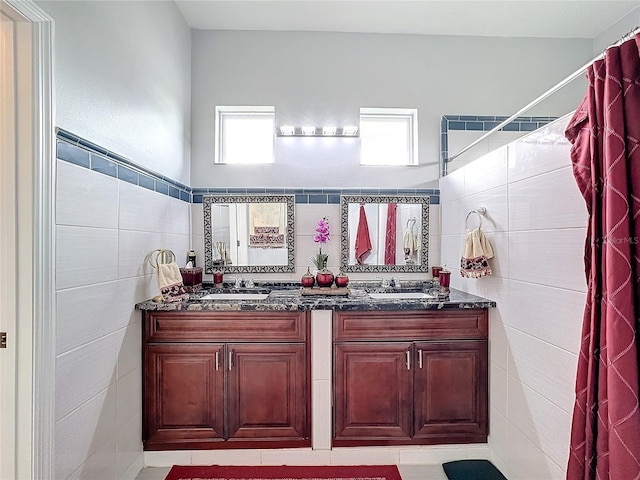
[[81, 152], [322, 196], [484, 123]]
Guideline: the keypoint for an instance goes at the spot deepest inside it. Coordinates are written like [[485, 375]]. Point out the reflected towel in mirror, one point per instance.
[[363, 241], [390, 237], [411, 243]]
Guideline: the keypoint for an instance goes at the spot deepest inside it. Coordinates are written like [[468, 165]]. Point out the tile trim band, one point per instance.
[[482, 123]]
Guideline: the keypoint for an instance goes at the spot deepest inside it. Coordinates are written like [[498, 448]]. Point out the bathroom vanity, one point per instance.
[[225, 379], [236, 373], [410, 377]]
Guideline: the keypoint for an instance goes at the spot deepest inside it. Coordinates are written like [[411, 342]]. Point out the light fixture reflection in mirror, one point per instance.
[[249, 233], [384, 233]]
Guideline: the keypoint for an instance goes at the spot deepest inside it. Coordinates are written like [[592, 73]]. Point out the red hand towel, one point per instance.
[[390, 238], [363, 242]]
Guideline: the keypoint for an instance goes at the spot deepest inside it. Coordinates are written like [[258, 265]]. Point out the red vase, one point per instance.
[[324, 278], [307, 279], [342, 280]]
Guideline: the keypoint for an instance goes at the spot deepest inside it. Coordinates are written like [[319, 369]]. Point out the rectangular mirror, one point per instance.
[[249, 233], [384, 233]]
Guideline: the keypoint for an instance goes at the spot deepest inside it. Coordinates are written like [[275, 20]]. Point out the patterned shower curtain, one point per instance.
[[605, 133]]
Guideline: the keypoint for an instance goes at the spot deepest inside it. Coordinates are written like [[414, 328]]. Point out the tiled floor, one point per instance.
[[408, 472]]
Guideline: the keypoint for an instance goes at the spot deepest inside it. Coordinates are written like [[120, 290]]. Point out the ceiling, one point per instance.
[[502, 18]]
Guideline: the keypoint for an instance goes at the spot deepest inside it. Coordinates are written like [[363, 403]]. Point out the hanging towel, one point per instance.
[[476, 255], [363, 241], [390, 238], [170, 283]]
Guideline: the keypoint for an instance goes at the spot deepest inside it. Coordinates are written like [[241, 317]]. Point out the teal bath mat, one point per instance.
[[472, 470]]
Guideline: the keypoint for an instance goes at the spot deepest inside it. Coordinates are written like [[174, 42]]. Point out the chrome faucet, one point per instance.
[[238, 281], [395, 282], [384, 282]]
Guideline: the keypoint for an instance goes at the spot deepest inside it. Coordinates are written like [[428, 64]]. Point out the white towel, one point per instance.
[[411, 246], [476, 255], [170, 282]]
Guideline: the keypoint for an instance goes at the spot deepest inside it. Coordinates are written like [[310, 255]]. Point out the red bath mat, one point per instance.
[[263, 472]]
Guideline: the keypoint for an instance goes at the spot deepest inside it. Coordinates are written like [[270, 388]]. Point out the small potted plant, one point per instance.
[[324, 277]]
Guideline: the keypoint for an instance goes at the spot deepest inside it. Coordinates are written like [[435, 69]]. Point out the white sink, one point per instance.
[[235, 296], [400, 296]]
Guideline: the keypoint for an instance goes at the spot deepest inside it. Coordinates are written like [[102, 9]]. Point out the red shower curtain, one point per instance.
[[605, 132]]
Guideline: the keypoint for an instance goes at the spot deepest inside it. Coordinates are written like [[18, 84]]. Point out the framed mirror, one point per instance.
[[249, 233], [380, 233]]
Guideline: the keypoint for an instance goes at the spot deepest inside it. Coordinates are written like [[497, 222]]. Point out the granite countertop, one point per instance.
[[286, 296]]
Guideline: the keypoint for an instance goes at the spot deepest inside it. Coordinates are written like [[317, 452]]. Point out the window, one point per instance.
[[388, 136], [244, 135]]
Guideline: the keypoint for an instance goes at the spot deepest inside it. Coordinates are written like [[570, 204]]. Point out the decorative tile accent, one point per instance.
[[483, 123], [290, 232], [84, 153], [320, 195], [424, 234]]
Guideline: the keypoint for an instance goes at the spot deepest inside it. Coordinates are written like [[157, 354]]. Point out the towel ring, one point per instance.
[[161, 256], [480, 212]]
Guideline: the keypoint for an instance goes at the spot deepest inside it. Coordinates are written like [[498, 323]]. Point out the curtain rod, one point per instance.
[[544, 96]]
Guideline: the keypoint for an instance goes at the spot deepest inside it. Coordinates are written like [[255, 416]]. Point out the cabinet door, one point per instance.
[[183, 395], [373, 391], [451, 390], [267, 394]]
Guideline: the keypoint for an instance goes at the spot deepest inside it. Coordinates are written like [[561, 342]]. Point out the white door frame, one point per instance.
[[36, 309]]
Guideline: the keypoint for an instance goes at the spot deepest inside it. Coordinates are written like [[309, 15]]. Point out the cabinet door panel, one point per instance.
[[450, 393], [267, 394], [183, 393], [372, 391]]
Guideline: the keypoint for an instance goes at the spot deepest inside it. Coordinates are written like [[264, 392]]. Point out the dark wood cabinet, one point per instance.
[[225, 380], [266, 389], [450, 389], [410, 377], [373, 391], [183, 393]]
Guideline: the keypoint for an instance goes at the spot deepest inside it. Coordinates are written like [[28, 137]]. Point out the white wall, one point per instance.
[[616, 31], [327, 77], [104, 230], [536, 222], [123, 79]]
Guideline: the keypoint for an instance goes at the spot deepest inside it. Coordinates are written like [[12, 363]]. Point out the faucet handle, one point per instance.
[[249, 283], [395, 282]]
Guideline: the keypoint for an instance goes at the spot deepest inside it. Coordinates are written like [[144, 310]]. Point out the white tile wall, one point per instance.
[[83, 373], [84, 432], [105, 229], [94, 199], [81, 312], [85, 256], [536, 225]]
